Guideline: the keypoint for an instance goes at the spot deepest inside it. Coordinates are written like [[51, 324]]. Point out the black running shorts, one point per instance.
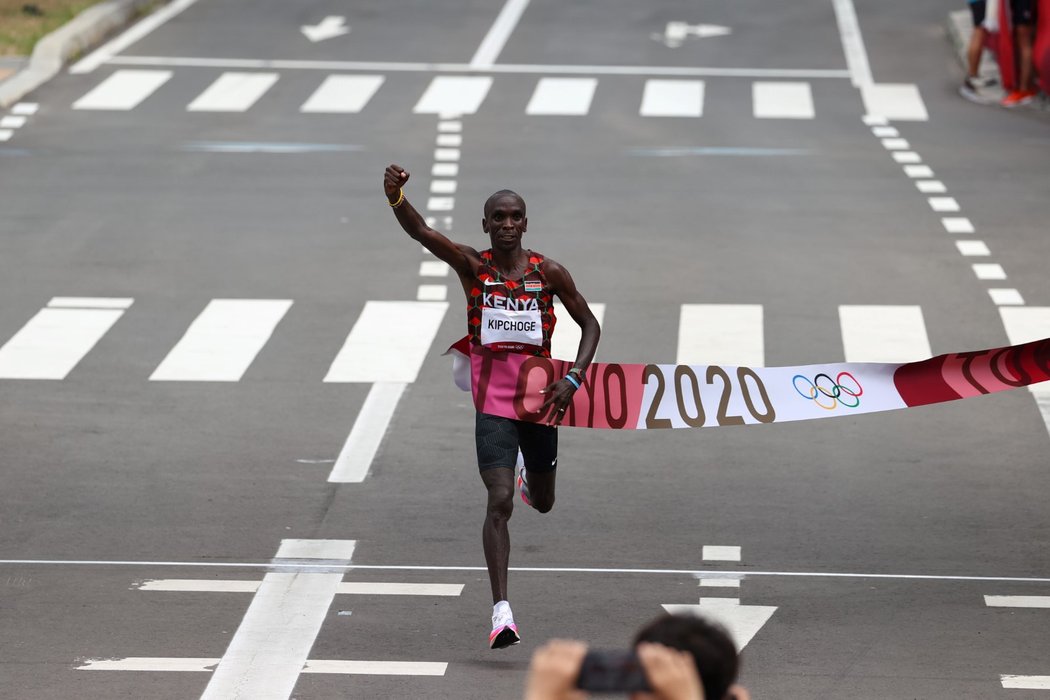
[[499, 439], [977, 9], [1022, 12]]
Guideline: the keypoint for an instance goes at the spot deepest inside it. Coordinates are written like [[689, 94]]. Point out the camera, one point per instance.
[[612, 672]]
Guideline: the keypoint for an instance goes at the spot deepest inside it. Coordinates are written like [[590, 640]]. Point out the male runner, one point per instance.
[[509, 309]]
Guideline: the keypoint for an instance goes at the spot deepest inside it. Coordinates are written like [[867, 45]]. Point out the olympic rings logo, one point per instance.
[[832, 392]]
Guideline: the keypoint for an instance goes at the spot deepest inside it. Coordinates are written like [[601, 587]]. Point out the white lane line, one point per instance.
[[441, 203], [111, 48], [446, 154], [445, 170], [673, 98], [717, 334], [897, 101], [782, 100], [972, 248], [943, 204], [720, 553], [853, 46], [362, 444], [884, 131], [432, 292], [233, 92], [449, 140], [90, 303], [123, 90], [695, 573], [1025, 682], [443, 187], [376, 668], [150, 663], [388, 343], [906, 157], [989, 271], [463, 95], [6, 134], [883, 333], [896, 144], [931, 186], [1017, 601], [918, 171], [565, 342], [957, 224], [875, 120], [520, 68], [562, 96], [54, 341], [13, 122], [498, 34], [342, 94], [720, 583], [25, 108], [336, 666], [344, 588], [222, 341], [1006, 297], [271, 645], [1024, 324], [450, 127]]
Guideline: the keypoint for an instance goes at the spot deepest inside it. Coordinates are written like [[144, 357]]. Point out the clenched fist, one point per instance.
[[394, 179]]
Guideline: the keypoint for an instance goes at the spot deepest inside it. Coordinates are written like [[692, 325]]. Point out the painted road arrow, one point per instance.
[[327, 28], [677, 32], [742, 621]]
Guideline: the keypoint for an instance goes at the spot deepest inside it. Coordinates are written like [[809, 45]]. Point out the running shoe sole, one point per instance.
[[506, 637]]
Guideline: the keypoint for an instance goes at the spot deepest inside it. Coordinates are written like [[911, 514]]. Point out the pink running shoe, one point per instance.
[[504, 631], [523, 485]]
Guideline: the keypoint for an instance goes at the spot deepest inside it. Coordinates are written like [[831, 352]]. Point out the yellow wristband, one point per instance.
[[400, 199]]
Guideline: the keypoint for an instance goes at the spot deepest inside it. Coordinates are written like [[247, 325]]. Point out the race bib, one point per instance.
[[504, 328]]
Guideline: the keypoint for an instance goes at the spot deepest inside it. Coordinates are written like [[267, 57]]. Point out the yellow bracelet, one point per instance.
[[400, 199]]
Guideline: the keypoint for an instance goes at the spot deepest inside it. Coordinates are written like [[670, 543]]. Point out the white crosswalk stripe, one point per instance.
[[782, 100], [222, 341], [453, 95], [123, 90], [673, 98], [54, 341], [883, 333], [342, 93], [390, 340], [721, 334], [562, 96], [233, 92]]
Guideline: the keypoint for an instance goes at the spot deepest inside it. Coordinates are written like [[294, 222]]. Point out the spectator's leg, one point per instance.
[[1025, 34], [974, 51]]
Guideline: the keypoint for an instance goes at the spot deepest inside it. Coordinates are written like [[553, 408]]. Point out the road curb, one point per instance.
[[85, 31]]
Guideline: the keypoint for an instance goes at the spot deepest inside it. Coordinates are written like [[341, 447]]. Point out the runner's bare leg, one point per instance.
[[495, 536]]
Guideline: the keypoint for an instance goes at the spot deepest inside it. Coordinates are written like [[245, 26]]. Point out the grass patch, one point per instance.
[[25, 22]]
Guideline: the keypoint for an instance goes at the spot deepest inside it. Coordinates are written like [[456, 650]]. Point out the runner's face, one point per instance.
[[506, 222]]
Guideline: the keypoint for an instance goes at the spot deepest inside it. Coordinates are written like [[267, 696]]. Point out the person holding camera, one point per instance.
[[674, 657]]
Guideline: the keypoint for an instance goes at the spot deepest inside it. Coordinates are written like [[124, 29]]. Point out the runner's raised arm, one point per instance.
[[457, 256]]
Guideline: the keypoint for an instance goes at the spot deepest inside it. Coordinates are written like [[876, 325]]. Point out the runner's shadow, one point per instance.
[[501, 665]]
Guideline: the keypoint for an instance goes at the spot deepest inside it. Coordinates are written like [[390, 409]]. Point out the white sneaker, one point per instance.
[[504, 631]]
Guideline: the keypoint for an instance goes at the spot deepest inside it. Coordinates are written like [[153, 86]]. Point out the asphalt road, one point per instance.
[[112, 480]]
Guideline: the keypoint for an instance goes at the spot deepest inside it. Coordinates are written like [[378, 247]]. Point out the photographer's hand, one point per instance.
[[671, 673], [553, 671]]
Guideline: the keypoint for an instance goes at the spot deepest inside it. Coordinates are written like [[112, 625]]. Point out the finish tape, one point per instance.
[[638, 397]]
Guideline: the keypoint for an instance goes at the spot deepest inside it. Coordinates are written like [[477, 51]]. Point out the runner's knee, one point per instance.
[[501, 501]]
